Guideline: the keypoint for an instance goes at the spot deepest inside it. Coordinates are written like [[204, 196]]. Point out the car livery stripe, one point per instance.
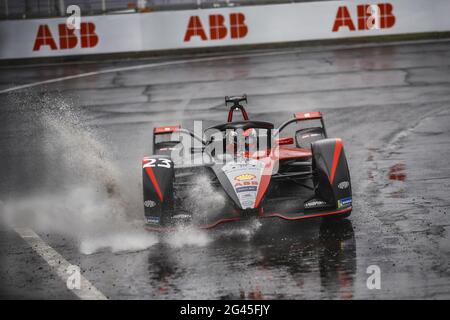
[[270, 215], [337, 153], [307, 216], [264, 182], [152, 177]]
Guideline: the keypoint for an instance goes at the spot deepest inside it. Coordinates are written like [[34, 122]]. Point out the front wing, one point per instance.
[[235, 217]]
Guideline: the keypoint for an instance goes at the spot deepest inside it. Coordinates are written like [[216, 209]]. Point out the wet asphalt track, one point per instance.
[[389, 103]]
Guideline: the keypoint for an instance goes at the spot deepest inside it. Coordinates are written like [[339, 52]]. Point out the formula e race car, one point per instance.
[[245, 169]]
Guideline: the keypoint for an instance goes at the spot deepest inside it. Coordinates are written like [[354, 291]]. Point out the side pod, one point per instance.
[[157, 183], [332, 177]]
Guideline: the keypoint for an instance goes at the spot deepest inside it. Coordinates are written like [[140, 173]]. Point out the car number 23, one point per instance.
[[163, 163]]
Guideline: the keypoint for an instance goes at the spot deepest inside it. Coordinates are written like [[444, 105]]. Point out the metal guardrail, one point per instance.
[[27, 9]]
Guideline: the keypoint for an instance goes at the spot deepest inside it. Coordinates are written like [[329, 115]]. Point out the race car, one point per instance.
[[291, 172]]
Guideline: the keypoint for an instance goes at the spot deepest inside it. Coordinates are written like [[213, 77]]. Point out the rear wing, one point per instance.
[[160, 131], [304, 116], [308, 115], [166, 129], [165, 138]]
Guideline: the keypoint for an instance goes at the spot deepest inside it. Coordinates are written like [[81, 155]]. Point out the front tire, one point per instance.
[[157, 213]]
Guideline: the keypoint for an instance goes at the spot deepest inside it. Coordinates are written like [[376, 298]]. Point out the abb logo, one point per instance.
[[67, 37], [382, 17], [217, 28]]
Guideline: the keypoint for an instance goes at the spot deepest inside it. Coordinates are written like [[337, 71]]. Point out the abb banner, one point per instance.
[[221, 27], [67, 37]]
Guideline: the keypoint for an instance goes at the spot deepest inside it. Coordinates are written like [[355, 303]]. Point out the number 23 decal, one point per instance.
[[163, 163]]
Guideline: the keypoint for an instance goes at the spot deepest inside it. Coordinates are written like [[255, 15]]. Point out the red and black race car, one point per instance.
[[291, 172]]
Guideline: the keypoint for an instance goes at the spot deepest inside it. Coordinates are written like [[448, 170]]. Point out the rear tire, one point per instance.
[[332, 186]]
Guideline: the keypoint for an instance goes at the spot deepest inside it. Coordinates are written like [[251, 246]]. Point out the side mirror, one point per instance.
[[284, 141]]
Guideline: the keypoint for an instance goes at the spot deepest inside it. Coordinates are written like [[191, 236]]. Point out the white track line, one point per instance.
[[210, 59], [60, 265]]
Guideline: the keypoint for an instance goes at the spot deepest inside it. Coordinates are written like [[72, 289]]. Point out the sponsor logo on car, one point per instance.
[[247, 188], [245, 177], [246, 183], [248, 195], [314, 204], [247, 203], [151, 219], [343, 185], [149, 204], [344, 202]]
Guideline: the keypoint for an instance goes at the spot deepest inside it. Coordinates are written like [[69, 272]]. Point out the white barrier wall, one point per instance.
[[220, 27]]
